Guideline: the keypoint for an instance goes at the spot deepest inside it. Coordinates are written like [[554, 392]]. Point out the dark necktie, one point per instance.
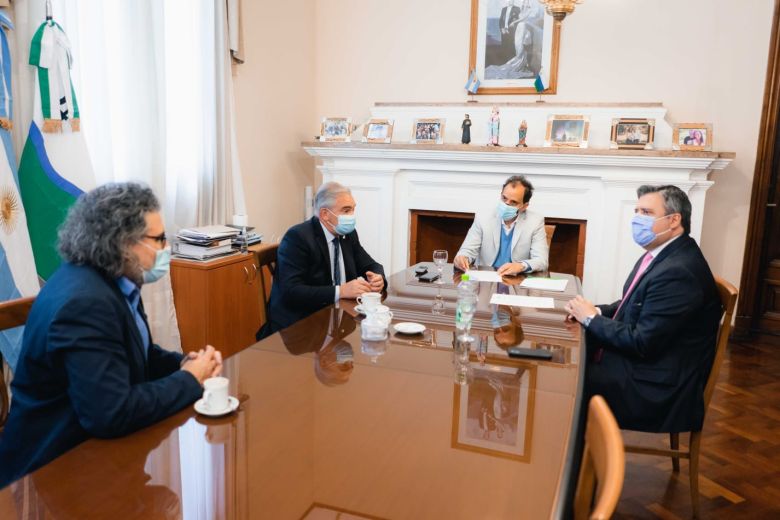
[[336, 270]]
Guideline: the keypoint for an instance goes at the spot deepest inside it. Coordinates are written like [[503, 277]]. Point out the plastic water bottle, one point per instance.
[[467, 304]]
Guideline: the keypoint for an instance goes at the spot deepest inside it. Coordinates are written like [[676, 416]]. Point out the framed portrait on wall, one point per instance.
[[512, 42], [494, 414]]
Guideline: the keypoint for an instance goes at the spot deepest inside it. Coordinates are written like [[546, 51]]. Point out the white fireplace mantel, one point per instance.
[[595, 185]]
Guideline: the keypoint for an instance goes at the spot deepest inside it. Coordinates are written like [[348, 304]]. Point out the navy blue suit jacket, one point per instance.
[[82, 373], [303, 283], [659, 349]]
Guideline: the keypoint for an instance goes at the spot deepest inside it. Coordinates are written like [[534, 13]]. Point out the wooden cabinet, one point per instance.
[[217, 302]]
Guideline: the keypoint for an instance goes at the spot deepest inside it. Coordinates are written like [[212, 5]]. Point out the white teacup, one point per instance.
[[369, 300], [215, 395]]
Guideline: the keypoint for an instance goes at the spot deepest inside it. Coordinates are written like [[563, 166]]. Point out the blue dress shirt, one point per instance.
[[133, 296]]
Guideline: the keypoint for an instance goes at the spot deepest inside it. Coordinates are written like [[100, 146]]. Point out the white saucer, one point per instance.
[[379, 308], [200, 407], [408, 327]]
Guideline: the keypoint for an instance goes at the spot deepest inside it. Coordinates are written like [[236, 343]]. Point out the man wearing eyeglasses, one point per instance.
[[88, 366]]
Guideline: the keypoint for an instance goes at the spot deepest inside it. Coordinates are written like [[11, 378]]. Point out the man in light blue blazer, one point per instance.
[[508, 237]]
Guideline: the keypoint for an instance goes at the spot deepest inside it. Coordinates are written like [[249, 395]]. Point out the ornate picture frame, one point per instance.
[[632, 134], [428, 131], [494, 413], [508, 52], [337, 129], [378, 131], [696, 137], [567, 131]]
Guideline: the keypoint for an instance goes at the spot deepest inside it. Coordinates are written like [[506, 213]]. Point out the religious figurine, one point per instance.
[[466, 126], [494, 124], [521, 134]]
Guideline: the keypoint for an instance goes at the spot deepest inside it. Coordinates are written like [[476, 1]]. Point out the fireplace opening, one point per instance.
[[430, 230]]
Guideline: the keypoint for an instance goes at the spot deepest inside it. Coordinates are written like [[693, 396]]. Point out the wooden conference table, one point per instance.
[[393, 434]]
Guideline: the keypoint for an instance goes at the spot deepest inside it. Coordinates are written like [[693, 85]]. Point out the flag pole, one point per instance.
[[48, 10]]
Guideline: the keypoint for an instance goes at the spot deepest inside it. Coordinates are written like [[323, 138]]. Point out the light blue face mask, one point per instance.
[[162, 264], [346, 223], [505, 211], [642, 229]]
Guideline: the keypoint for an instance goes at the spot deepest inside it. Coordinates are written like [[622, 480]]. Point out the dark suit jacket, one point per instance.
[[302, 282], [82, 373], [658, 350]]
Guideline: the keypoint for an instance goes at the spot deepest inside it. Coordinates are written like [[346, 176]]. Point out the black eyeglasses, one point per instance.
[[161, 239]]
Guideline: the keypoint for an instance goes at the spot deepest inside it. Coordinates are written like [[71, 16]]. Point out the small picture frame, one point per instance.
[[567, 131], [632, 134], [378, 131], [428, 131], [692, 137], [336, 129]]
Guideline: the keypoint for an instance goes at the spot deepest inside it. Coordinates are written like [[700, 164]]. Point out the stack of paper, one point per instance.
[[204, 243], [545, 284]]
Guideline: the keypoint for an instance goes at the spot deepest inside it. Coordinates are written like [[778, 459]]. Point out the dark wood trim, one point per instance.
[[754, 243]]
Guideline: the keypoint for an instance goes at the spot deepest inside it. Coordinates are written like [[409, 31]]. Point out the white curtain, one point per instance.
[[155, 92]]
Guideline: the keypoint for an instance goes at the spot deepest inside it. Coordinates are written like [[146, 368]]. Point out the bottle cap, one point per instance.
[[464, 278]]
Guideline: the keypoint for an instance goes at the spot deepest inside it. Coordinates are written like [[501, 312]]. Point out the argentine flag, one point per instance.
[[17, 268]]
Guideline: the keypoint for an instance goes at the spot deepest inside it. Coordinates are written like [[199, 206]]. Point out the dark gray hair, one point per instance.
[[514, 180], [675, 201], [327, 195], [103, 224]]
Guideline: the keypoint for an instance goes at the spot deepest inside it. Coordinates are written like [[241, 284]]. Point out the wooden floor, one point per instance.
[[740, 456]]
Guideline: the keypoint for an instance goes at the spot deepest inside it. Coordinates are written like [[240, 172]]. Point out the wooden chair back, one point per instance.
[[549, 229], [266, 263], [728, 299], [603, 464], [13, 313]]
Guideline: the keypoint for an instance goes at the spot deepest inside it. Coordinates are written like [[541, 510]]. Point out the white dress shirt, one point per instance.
[[331, 250]]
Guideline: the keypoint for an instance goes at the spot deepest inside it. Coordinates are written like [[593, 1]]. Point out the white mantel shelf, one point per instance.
[[593, 184], [509, 154]]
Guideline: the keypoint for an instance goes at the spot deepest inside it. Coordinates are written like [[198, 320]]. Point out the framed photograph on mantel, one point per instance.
[[567, 131], [632, 134], [695, 137], [428, 131], [378, 131], [512, 42], [336, 129]]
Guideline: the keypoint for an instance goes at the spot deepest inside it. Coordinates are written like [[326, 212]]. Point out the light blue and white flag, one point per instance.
[[472, 85], [17, 266]]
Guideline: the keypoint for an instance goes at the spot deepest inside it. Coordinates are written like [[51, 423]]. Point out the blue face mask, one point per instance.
[[505, 211], [162, 264], [346, 223], [642, 229]]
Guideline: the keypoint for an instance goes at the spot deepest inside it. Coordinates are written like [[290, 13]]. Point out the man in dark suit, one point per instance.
[[652, 351], [88, 366], [321, 261]]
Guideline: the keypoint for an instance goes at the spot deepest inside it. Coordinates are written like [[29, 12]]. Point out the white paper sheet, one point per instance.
[[484, 276], [545, 284], [516, 300]]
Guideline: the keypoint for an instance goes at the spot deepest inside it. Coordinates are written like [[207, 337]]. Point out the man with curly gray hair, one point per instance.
[[88, 366]]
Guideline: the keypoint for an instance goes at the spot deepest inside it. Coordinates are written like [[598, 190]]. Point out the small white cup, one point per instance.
[[215, 396], [369, 300]]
